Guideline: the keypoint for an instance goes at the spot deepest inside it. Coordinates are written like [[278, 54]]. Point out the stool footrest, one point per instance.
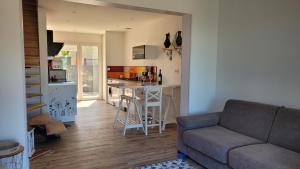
[[131, 124]]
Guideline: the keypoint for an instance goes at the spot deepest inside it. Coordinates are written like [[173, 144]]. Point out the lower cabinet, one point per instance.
[[62, 103]]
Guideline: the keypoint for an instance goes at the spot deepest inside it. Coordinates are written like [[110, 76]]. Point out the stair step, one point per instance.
[[32, 75], [30, 66], [55, 127], [32, 58], [35, 106], [32, 61], [30, 85], [31, 95], [40, 119]]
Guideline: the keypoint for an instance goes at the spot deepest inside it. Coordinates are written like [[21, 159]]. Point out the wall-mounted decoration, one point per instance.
[[178, 39], [167, 42], [177, 43]]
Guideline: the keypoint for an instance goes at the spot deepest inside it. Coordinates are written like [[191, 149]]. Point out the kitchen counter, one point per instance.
[[132, 85], [61, 83], [123, 79], [62, 102]]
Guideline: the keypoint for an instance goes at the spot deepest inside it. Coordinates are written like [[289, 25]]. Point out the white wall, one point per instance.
[[75, 37], [259, 47], [115, 48], [153, 33], [104, 68], [13, 119], [203, 48], [43, 55]]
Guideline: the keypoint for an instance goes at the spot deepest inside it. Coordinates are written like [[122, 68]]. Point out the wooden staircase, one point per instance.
[[31, 95], [33, 77], [52, 126], [34, 106], [31, 85]]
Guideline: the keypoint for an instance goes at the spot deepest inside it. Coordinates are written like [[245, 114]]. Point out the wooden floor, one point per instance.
[[93, 143]]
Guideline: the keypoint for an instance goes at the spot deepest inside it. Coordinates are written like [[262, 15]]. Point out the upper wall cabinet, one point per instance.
[[145, 52]]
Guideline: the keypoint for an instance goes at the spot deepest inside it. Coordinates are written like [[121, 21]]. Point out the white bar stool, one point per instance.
[[128, 122], [152, 99]]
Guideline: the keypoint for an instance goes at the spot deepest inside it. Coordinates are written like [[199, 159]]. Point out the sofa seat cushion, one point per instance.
[[263, 156], [216, 141]]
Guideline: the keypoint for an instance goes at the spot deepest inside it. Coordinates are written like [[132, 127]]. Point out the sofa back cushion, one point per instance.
[[249, 118], [286, 129]]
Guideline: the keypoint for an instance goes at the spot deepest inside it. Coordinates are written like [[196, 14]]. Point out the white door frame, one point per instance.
[[79, 69], [186, 48]]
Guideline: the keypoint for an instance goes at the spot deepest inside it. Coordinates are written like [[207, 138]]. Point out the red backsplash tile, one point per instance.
[[130, 72]]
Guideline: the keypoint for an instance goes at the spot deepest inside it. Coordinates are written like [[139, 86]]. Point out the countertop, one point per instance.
[[123, 79], [62, 83], [133, 85]]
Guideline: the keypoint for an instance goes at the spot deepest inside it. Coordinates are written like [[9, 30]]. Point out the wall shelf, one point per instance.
[[169, 51], [179, 50]]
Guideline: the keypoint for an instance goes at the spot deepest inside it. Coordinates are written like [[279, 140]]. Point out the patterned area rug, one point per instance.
[[174, 164]]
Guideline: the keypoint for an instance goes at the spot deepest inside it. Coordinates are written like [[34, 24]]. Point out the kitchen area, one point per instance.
[[74, 72], [128, 85], [62, 88], [93, 74], [148, 59], [79, 73], [138, 47]]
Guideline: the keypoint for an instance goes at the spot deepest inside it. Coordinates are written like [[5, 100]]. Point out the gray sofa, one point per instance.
[[246, 135]]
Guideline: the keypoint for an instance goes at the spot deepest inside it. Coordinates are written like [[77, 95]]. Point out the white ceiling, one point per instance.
[[75, 17]]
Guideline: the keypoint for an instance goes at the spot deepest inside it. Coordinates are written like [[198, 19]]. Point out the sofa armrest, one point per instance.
[[198, 121], [193, 122]]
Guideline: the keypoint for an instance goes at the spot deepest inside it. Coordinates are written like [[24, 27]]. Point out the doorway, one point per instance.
[[102, 114], [82, 61]]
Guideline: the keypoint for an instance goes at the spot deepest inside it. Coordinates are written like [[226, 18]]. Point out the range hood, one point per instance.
[[53, 47]]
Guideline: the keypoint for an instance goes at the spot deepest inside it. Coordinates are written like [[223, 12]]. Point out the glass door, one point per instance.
[[89, 79], [82, 65], [68, 59]]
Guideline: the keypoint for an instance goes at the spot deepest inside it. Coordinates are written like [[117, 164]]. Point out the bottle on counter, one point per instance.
[[160, 77]]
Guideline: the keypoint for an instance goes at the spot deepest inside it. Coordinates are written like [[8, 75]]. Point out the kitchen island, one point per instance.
[[151, 97], [62, 102], [170, 102]]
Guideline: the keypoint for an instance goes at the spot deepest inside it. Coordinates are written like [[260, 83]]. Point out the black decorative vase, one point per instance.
[[178, 39], [167, 42]]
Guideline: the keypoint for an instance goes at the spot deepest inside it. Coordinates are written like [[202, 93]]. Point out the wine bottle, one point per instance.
[[159, 77]]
